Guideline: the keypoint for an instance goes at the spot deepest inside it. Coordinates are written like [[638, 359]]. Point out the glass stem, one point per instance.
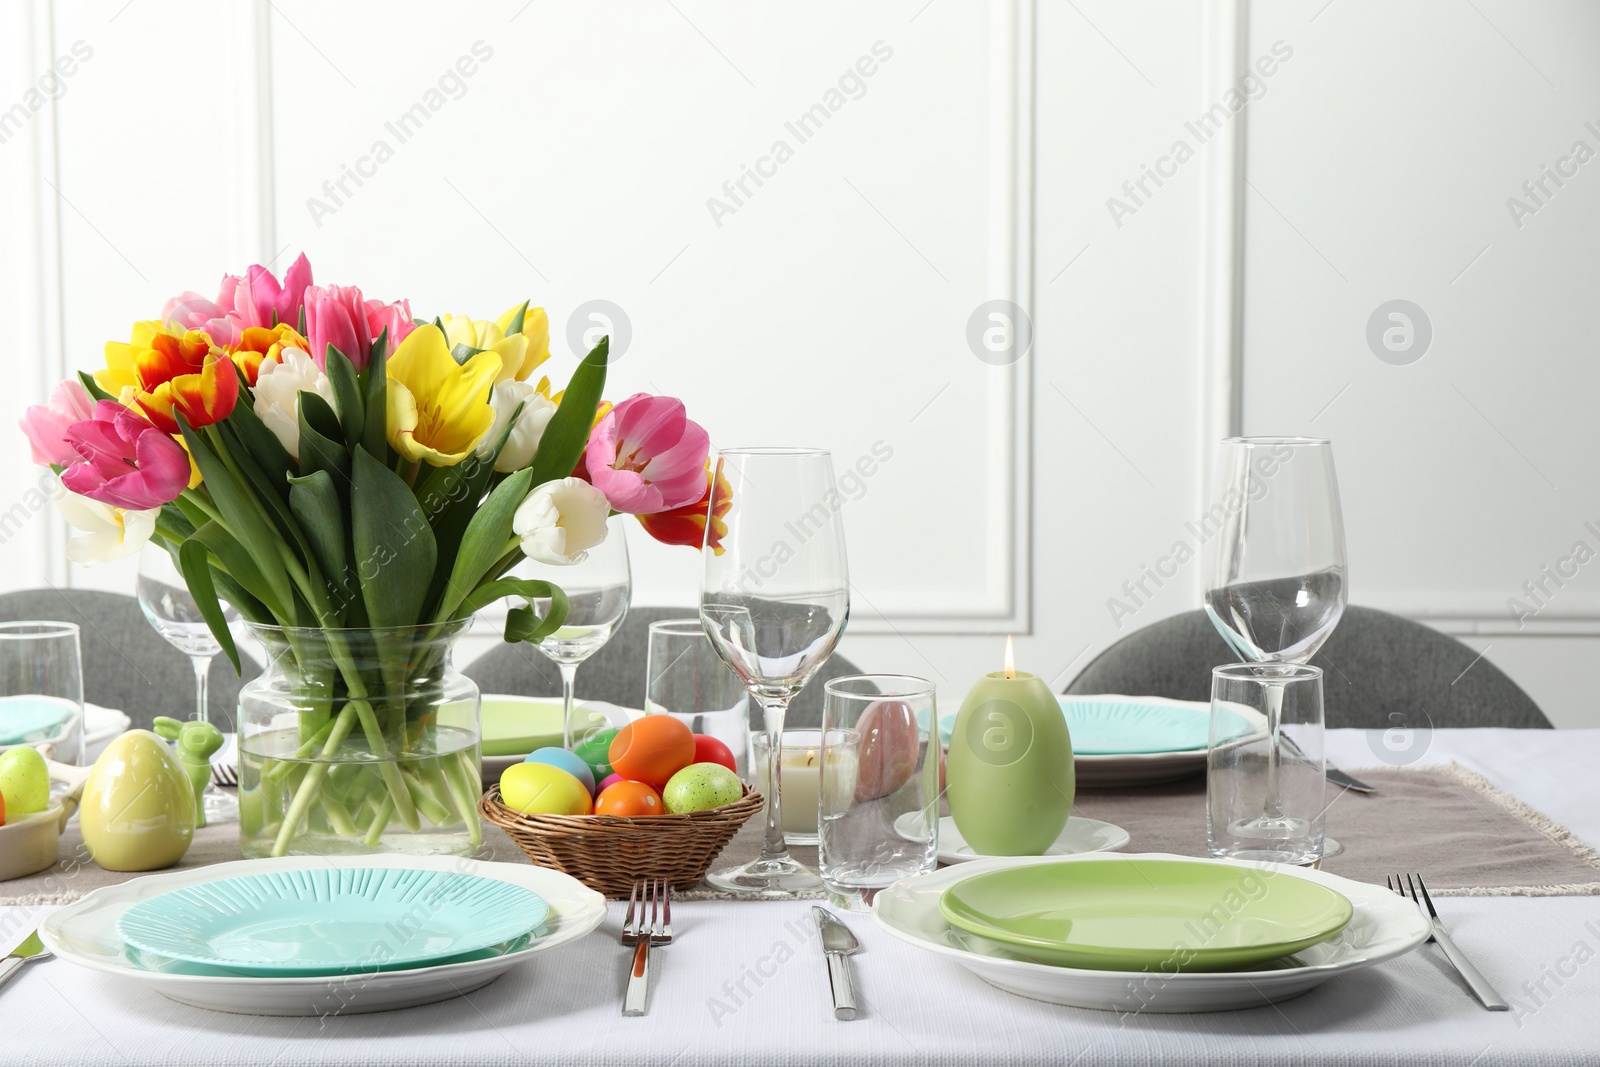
[[202, 679], [1274, 701], [569, 677], [772, 846]]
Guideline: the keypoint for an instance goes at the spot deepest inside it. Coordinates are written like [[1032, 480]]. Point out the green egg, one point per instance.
[[595, 750]]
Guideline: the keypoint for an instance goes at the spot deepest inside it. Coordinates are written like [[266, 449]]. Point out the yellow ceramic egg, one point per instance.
[[137, 812]]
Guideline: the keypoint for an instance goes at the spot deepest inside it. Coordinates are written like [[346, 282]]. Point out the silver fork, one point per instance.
[[1474, 978], [643, 931]]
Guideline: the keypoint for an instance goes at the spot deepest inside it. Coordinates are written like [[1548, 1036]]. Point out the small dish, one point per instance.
[[514, 726], [1127, 913], [330, 921]]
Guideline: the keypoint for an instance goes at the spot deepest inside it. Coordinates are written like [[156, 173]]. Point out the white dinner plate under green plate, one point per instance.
[[1128, 913], [330, 920]]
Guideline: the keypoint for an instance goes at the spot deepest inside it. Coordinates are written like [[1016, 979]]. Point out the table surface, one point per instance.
[[744, 984]]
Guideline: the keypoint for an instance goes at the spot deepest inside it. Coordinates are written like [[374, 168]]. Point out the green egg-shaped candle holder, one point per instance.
[[1010, 778]]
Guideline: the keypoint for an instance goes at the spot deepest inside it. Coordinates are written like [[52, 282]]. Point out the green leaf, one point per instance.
[[240, 511], [263, 445], [394, 546], [93, 386], [315, 502], [374, 434], [526, 628], [194, 561], [321, 450], [239, 564], [568, 430], [462, 353], [484, 541], [347, 395], [518, 318]]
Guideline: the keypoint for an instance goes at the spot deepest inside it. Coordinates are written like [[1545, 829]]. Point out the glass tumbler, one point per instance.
[[879, 789], [41, 687], [685, 678], [1265, 783]]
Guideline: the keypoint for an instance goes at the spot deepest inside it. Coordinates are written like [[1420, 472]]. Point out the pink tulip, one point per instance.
[[257, 299], [46, 424], [646, 456], [395, 317], [337, 315], [125, 461]]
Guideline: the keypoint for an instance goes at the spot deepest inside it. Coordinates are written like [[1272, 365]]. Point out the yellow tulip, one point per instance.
[[438, 410], [485, 336], [120, 372], [536, 328]]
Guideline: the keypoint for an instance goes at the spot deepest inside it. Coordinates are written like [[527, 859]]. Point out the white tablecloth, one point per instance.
[[713, 1001]]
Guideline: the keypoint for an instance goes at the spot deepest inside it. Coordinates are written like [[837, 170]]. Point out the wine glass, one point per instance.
[[164, 597], [598, 590], [1276, 584], [774, 604]]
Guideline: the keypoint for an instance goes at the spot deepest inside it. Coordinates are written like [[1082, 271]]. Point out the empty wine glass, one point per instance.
[[598, 592], [164, 597], [1276, 584], [774, 604]]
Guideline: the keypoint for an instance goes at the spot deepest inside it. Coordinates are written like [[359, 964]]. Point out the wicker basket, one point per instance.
[[607, 852]]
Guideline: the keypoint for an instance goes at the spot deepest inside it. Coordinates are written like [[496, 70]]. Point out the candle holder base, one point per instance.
[[767, 879]]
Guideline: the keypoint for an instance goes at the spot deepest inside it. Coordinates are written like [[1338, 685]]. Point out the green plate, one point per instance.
[[515, 726], [1116, 913]]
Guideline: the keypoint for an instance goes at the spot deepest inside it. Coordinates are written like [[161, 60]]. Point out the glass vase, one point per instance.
[[359, 741]]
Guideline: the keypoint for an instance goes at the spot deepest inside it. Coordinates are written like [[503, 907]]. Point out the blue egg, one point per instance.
[[570, 762]]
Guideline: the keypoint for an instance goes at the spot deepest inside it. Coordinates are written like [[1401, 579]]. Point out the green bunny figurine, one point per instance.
[[195, 742]]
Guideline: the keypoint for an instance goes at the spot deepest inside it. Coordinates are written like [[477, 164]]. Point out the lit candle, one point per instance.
[[802, 783], [1010, 778]]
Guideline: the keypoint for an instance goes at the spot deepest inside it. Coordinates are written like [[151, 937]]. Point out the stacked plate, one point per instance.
[[1150, 932], [310, 935], [1124, 740], [514, 726]]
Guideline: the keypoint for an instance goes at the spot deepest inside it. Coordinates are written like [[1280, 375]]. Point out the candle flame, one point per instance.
[[1011, 659]]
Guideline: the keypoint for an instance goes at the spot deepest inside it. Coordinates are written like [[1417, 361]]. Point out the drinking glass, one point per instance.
[[599, 588], [41, 687], [879, 790], [1251, 769], [774, 603], [685, 678], [164, 597], [1276, 584]]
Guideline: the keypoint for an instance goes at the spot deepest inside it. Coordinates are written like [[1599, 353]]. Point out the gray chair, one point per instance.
[[1379, 671], [616, 674], [126, 664]]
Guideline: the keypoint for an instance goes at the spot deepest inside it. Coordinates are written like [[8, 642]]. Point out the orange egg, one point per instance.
[[629, 798], [652, 749]]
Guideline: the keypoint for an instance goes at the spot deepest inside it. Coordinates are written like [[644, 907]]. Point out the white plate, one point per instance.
[[85, 933], [1384, 926], [1078, 837], [100, 725]]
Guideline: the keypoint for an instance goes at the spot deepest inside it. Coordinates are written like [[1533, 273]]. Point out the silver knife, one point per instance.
[[837, 943], [1338, 777]]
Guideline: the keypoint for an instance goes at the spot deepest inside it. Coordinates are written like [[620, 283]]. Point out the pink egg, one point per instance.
[[889, 748], [609, 779]]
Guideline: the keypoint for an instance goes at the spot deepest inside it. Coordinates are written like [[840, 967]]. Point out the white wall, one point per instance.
[[831, 305]]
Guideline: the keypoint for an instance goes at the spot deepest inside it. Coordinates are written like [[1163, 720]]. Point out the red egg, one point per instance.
[[652, 749], [708, 749]]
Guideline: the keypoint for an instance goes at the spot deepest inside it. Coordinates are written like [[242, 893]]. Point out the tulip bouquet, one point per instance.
[[356, 484]]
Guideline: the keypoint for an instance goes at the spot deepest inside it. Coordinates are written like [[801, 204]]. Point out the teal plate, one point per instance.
[[331, 921], [1122, 726], [28, 719]]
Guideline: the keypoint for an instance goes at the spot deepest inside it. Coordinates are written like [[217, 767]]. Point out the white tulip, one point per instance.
[[279, 383], [523, 444], [108, 533], [561, 520]]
